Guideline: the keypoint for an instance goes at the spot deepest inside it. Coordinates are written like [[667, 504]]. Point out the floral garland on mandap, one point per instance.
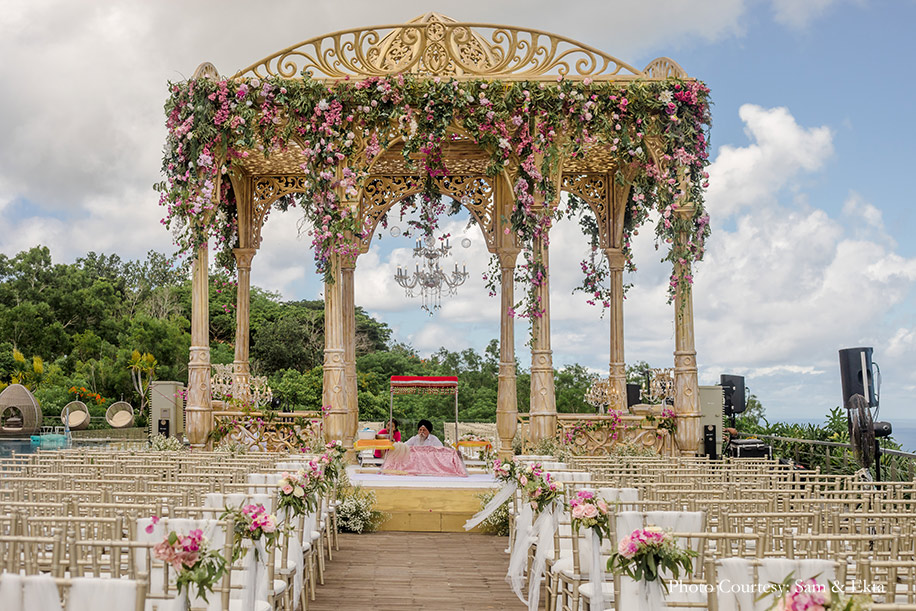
[[665, 421], [528, 128], [572, 435]]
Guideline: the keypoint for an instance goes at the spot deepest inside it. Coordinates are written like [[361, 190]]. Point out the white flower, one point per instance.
[[664, 97], [504, 143], [323, 105]]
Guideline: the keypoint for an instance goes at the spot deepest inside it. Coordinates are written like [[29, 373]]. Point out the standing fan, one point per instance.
[[861, 431]]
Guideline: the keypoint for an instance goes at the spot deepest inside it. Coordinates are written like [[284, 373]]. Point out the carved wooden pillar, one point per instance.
[[334, 387], [348, 265], [617, 365], [199, 416], [686, 385], [507, 401], [543, 413], [241, 372]]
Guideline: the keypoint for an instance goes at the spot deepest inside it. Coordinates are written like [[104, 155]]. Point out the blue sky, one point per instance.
[[810, 196]]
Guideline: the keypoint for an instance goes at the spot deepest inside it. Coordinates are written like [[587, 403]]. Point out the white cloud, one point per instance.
[[903, 342], [799, 13], [284, 262], [433, 335], [754, 175]]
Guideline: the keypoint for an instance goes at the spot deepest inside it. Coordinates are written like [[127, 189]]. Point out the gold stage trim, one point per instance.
[[468, 443], [373, 444]]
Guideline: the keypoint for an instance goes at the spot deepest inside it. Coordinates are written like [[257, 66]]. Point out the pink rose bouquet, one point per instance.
[[644, 553], [192, 560], [590, 511], [296, 492], [254, 523], [505, 471], [539, 488]]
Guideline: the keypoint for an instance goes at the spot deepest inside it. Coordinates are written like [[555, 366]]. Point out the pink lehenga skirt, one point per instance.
[[423, 460]]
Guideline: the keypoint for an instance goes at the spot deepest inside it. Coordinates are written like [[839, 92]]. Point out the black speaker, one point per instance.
[[733, 389], [164, 428], [710, 442], [851, 374], [632, 394], [883, 429]]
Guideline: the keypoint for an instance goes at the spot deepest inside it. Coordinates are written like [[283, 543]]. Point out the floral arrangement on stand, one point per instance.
[[526, 127], [193, 560], [809, 595], [645, 552]]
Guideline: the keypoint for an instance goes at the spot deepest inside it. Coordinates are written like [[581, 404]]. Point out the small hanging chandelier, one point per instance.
[[428, 280]]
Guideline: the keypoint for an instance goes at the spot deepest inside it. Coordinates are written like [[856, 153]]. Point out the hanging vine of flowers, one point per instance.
[[528, 128]]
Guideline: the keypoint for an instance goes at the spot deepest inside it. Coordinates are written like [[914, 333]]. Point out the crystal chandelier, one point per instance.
[[428, 279]]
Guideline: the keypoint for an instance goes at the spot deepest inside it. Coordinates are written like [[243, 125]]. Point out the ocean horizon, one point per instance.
[[903, 429]]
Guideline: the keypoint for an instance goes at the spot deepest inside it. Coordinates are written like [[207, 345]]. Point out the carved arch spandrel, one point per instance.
[[267, 190], [619, 196], [594, 189], [381, 193]]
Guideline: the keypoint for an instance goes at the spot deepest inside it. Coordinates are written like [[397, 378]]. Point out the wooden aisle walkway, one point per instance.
[[397, 571]]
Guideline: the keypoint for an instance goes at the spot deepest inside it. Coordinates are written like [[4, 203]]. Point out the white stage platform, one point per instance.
[[373, 478]]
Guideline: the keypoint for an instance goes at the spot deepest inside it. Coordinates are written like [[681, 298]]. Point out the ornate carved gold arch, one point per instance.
[[436, 45], [474, 192]]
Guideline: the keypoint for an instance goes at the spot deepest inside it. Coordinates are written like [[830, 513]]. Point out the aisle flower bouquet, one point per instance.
[[541, 491], [333, 461], [254, 523], [590, 511], [644, 553], [295, 493], [809, 595], [505, 471], [193, 560]]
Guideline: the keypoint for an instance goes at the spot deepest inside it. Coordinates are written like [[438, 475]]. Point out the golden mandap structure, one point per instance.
[[268, 164]]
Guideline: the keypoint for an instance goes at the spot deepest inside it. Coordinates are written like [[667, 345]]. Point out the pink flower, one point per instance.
[[287, 489], [578, 512], [589, 511], [149, 529], [269, 525], [602, 506]]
